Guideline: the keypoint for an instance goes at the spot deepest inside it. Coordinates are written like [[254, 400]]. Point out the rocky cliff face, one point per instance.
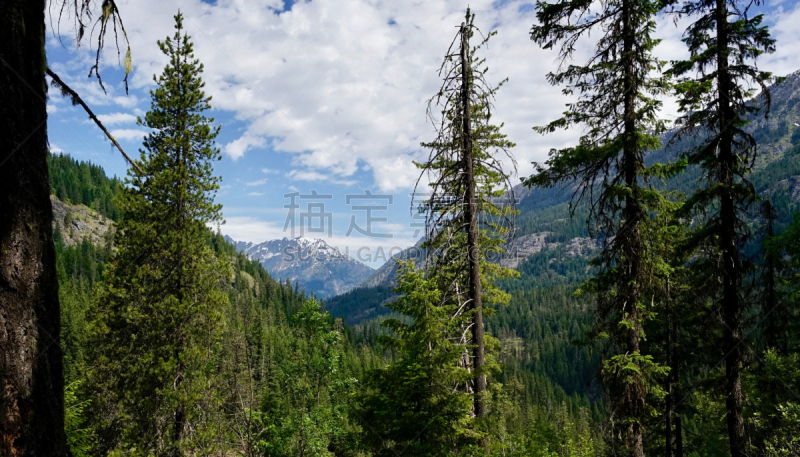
[[523, 247], [516, 252], [318, 267], [789, 186], [78, 222]]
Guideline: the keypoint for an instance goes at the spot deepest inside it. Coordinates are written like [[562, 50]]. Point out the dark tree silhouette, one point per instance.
[[619, 110], [714, 93]]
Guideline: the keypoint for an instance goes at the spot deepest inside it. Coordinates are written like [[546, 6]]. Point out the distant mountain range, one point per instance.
[[315, 265]]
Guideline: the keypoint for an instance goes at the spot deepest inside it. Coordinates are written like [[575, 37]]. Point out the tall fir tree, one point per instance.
[[156, 322], [618, 108], [715, 95], [470, 209]]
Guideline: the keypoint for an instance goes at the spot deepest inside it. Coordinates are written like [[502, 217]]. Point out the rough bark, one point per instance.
[[32, 399], [470, 213]]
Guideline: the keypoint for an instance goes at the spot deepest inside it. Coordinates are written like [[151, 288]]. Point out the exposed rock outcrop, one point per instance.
[[78, 222]]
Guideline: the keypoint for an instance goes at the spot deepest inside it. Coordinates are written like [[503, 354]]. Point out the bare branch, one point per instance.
[[77, 100]]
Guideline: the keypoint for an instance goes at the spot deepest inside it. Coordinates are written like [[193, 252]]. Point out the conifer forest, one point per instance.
[[619, 278]]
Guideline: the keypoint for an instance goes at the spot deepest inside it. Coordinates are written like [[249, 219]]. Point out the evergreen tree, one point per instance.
[[304, 408], [467, 212], [157, 318], [619, 109], [714, 93], [414, 404]]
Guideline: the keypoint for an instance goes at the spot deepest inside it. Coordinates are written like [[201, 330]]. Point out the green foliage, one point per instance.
[[414, 405], [785, 441], [80, 437], [304, 408], [157, 318], [774, 415], [79, 268], [618, 110]]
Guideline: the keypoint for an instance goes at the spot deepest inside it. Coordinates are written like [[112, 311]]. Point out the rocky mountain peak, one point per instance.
[[318, 267]]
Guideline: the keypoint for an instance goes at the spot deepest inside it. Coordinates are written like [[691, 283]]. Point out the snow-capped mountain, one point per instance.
[[319, 267]]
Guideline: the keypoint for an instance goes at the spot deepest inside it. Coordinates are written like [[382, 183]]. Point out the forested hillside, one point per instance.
[[83, 183]]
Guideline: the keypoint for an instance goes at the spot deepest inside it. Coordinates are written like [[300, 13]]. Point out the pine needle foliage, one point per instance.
[[416, 405], [158, 316], [715, 96], [470, 207], [446, 223], [618, 109]]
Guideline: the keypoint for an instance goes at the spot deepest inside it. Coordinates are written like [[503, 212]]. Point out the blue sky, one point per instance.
[[329, 96]]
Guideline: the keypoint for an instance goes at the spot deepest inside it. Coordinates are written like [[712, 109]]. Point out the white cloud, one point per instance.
[[786, 59], [236, 149], [255, 194], [331, 82], [251, 229], [128, 134], [316, 176], [260, 182], [117, 118], [342, 88]]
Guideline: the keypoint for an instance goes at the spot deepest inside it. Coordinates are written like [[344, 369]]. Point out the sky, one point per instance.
[[326, 100]]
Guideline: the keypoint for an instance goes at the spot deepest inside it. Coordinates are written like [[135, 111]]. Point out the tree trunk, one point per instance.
[[32, 398], [633, 397], [731, 308], [471, 216], [670, 363]]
